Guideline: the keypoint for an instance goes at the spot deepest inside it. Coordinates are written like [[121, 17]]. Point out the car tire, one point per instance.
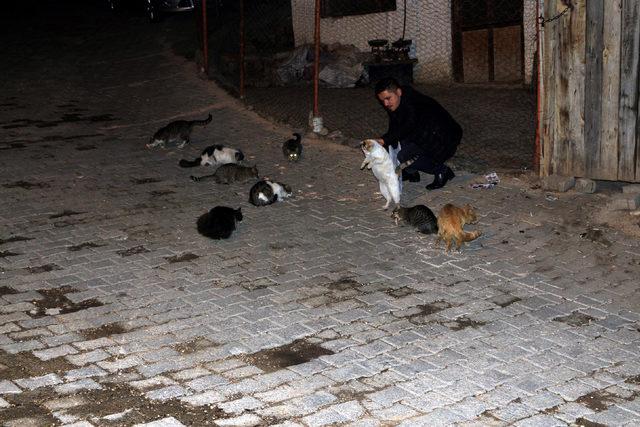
[[152, 11]]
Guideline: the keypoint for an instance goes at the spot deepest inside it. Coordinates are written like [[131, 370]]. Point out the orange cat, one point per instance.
[[451, 220]]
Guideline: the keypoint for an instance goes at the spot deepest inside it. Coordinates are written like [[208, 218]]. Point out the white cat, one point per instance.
[[383, 167], [214, 155]]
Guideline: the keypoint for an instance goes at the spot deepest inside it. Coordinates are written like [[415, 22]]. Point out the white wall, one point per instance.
[[428, 25]]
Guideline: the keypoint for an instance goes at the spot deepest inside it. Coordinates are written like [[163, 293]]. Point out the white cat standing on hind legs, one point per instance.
[[383, 165]]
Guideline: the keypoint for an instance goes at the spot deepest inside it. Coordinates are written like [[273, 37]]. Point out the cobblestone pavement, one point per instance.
[[318, 311]]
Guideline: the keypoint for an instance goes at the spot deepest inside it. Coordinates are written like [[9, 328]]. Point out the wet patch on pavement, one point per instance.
[[295, 353], [140, 181], [13, 145], [463, 323], [55, 301], [65, 213], [44, 268], [343, 284], [188, 256], [194, 345], [133, 251], [596, 235], [15, 239], [85, 147], [84, 245], [575, 319], [598, 400], [26, 185], [159, 193], [426, 310], [5, 290], [400, 292], [583, 422], [6, 254], [103, 331]]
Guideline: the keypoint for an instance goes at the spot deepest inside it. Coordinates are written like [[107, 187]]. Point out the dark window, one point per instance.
[[337, 8]]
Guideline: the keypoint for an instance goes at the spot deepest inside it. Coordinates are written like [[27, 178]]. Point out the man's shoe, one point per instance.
[[441, 179], [411, 177]]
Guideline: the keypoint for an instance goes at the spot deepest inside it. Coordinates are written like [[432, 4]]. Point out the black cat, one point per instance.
[[178, 131], [292, 148], [419, 216], [219, 222]]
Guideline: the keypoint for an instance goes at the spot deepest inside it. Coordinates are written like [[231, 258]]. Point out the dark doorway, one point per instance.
[[488, 43]]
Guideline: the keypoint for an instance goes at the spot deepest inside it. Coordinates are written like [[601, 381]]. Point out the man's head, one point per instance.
[[389, 92]]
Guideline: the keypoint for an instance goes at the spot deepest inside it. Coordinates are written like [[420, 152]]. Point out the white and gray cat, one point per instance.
[[229, 173], [292, 148], [178, 131], [266, 192], [418, 216], [214, 155]]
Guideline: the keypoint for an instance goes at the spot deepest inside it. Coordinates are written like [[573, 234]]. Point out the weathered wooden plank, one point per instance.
[[629, 135], [607, 160], [576, 157], [593, 86]]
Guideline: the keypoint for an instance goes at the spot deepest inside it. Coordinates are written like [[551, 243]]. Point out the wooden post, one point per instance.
[[629, 138], [241, 56]]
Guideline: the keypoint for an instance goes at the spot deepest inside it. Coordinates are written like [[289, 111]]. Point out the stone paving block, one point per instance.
[[120, 364], [18, 347], [4, 403], [76, 386], [439, 417], [164, 422], [166, 393], [624, 201], [7, 387], [540, 421], [244, 420], [52, 353], [94, 344], [207, 398], [82, 359], [631, 188], [207, 382], [37, 382], [587, 186], [238, 406]]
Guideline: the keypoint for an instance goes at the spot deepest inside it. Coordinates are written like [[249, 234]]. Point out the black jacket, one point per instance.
[[421, 120]]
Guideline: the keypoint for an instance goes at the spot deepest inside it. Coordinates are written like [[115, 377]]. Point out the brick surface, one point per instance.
[[514, 328]]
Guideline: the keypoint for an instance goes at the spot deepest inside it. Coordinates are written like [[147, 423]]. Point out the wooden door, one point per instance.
[[488, 43]]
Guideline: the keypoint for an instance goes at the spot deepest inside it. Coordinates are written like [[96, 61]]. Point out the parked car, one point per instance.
[[153, 9]]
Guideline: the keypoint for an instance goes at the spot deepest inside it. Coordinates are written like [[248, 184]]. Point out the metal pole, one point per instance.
[[241, 59], [205, 42], [316, 61], [538, 146]]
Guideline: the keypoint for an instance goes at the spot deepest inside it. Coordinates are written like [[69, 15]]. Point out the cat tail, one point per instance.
[[184, 163], [405, 165], [203, 122], [201, 178]]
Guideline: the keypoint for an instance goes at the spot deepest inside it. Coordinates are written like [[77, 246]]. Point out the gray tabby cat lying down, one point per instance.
[[178, 131], [229, 173]]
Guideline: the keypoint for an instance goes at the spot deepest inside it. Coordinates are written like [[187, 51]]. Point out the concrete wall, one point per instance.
[[428, 25]]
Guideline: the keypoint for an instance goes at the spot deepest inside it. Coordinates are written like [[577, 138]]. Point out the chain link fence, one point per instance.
[[263, 51]]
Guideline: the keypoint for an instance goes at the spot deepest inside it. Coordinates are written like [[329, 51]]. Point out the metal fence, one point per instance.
[[264, 51]]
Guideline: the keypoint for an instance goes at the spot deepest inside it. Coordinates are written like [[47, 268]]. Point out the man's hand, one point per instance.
[[380, 141]]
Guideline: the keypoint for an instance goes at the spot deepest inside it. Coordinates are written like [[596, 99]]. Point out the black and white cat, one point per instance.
[[178, 131], [418, 216], [292, 148], [219, 222], [266, 192], [214, 155], [229, 173]]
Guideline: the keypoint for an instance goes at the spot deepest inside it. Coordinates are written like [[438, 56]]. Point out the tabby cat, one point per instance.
[[451, 221], [292, 148], [178, 131], [214, 155], [265, 192], [419, 216], [219, 222], [230, 173]]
